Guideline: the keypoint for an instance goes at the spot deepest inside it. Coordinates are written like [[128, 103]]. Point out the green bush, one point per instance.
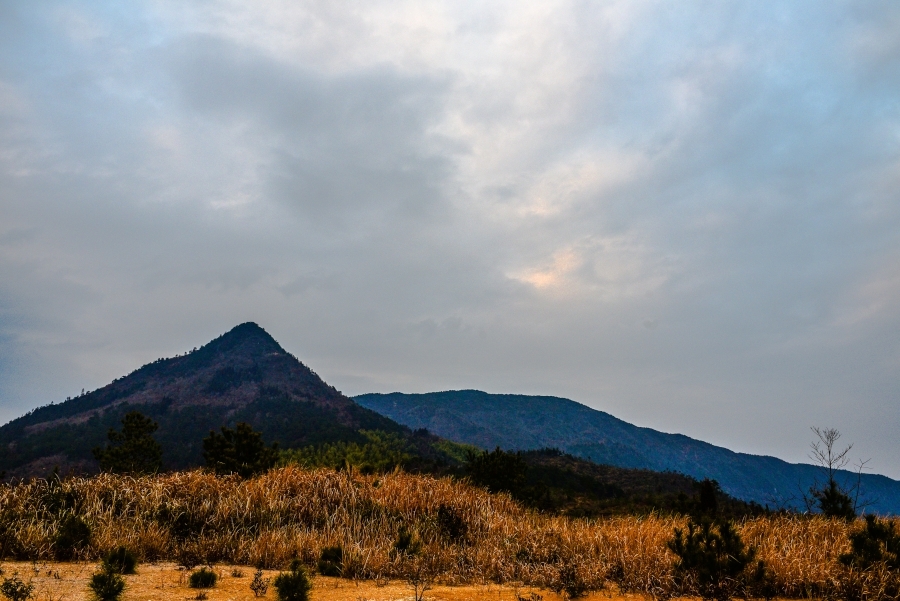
[[570, 582], [762, 584], [331, 561], [72, 536], [120, 561], [407, 543], [877, 543], [203, 578], [714, 556], [293, 585], [451, 524], [259, 585], [106, 586], [15, 590]]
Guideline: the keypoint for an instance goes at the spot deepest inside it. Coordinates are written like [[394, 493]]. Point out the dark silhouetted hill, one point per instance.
[[244, 375]]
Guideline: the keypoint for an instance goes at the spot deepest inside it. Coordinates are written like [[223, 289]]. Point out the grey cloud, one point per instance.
[[686, 217], [339, 145]]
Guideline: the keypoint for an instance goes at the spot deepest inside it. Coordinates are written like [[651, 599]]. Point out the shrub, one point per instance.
[[9, 543], [73, 535], [713, 556], [106, 586], [203, 578], [877, 543], [570, 582], [762, 583], [293, 585], [875, 548], [259, 585], [451, 524], [407, 543], [188, 555], [331, 561], [120, 561], [56, 498], [237, 573], [15, 590]]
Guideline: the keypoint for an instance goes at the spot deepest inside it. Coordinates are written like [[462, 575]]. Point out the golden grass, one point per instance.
[[292, 512]]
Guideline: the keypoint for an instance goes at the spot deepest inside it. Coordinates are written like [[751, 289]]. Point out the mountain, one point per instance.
[[520, 422], [244, 375]]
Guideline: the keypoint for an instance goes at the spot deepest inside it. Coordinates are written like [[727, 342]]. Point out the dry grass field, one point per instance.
[[468, 537]]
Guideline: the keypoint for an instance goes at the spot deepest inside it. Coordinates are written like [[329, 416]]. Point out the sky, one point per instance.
[[684, 214]]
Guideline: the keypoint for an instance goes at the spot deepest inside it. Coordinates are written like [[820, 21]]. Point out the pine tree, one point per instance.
[[878, 543], [708, 503], [834, 502], [240, 451], [714, 557], [133, 450], [832, 499]]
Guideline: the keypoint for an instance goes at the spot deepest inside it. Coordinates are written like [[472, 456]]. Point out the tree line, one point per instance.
[[242, 451], [135, 451]]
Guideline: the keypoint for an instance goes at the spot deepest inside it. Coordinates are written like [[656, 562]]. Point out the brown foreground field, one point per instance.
[[56, 581], [469, 538]]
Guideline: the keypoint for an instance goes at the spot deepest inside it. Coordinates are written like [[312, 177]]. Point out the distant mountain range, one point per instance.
[[246, 376], [519, 422]]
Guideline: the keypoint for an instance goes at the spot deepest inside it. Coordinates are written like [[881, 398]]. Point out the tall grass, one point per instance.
[[294, 513]]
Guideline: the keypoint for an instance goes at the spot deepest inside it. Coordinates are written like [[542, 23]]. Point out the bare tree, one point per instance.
[[833, 498], [825, 454]]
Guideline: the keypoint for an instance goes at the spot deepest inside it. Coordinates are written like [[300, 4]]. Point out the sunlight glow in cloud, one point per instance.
[[684, 215]]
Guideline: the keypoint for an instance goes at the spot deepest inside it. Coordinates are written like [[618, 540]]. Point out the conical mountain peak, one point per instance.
[[247, 339], [243, 375]]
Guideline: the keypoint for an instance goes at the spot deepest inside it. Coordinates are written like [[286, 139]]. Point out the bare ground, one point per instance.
[[166, 582]]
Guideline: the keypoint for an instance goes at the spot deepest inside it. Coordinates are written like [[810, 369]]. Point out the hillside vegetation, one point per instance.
[[463, 533], [546, 479], [524, 422], [242, 376]]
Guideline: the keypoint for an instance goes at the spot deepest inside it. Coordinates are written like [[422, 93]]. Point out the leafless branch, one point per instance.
[[824, 453]]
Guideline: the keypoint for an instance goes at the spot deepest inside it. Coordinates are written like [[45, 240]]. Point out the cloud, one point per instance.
[[685, 217]]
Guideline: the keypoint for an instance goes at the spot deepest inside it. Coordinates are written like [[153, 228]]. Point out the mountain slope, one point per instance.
[[244, 375], [533, 422]]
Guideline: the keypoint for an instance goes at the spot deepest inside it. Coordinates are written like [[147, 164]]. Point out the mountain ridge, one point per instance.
[[523, 422], [243, 375]]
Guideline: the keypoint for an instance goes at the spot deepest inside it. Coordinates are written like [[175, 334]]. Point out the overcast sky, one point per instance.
[[685, 214]]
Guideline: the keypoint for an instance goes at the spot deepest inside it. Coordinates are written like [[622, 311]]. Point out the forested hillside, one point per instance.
[[534, 422]]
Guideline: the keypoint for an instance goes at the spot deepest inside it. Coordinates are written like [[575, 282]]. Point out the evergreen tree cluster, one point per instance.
[[239, 451], [133, 450], [382, 451]]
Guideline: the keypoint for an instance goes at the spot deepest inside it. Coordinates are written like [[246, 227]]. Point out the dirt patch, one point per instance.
[[166, 582]]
